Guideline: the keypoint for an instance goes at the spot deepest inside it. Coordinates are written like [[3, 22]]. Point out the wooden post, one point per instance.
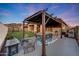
[[61, 31], [23, 30], [43, 34]]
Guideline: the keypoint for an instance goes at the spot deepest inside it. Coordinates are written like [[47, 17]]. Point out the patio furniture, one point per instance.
[[48, 37], [28, 43]]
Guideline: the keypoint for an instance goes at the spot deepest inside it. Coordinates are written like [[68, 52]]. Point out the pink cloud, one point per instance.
[[73, 21], [69, 16]]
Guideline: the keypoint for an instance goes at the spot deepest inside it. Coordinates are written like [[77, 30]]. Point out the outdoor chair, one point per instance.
[[26, 44]]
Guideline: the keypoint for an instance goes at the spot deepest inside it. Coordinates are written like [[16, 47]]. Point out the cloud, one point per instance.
[[73, 21], [71, 16], [69, 13], [54, 7], [31, 9], [4, 12]]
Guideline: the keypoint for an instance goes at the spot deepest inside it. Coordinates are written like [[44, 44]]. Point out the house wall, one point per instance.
[[56, 31], [31, 27], [10, 29], [64, 27], [77, 34], [48, 29], [71, 33], [74, 34], [14, 27]]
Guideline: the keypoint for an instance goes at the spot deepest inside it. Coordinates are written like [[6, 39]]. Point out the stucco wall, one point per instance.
[[54, 29], [3, 33], [64, 27]]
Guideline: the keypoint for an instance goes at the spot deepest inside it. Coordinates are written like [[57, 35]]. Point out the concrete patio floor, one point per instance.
[[61, 47]]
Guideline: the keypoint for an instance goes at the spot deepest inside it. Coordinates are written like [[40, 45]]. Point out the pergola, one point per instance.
[[46, 20]]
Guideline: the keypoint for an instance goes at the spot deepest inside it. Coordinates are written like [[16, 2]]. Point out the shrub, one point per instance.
[[29, 34], [9, 36]]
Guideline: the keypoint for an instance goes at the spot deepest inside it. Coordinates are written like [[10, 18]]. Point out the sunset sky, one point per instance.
[[14, 13]]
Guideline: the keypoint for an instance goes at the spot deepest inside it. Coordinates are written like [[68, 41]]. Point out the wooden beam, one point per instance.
[[39, 12], [51, 17], [43, 34], [47, 21]]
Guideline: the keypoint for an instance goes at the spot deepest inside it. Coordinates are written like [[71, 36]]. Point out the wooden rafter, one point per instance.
[[37, 13], [48, 19]]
